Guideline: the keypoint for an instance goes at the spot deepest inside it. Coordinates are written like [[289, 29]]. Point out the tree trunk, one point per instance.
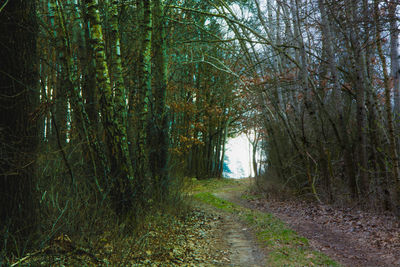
[[115, 131], [141, 100], [89, 89], [18, 130], [388, 106], [158, 127], [254, 156], [118, 85], [394, 57], [359, 81]]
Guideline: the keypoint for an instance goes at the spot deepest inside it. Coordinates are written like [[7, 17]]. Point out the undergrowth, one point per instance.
[[166, 240], [74, 218]]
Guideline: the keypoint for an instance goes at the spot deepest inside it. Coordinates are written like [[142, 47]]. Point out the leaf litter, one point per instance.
[[193, 240], [352, 237]]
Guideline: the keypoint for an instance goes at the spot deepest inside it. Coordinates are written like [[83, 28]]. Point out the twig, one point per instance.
[[25, 258], [4, 5], [64, 156]]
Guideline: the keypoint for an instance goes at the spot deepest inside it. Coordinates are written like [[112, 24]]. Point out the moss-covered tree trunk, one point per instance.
[[120, 107], [87, 132], [143, 94], [115, 129]]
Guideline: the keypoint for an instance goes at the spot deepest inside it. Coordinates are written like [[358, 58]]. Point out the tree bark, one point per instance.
[[158, 127], [388, 106], [395, 57], [118, 85], [18, 130], [359, 81], [115, 131]]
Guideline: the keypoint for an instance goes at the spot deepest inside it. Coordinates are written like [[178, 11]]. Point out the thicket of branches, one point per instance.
[[105, 107], [321, 85], [324, 77]]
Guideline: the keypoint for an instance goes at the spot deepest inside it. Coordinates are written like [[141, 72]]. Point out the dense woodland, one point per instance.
[[106, 105]]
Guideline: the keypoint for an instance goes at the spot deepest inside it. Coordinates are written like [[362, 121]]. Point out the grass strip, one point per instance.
[[210, 185], [285, 246]]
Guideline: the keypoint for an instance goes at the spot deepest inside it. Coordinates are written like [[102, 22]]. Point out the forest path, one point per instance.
[[252, 238], [237, 240], [345, 244], [245, 251]]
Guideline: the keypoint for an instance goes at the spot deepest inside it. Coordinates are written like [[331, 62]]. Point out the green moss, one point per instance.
[[285, 246], [210, 185], [212, 200], [250, 197]]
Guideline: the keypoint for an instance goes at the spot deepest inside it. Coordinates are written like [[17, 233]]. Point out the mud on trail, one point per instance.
[[352, 238], [235, 240], [245, 251]]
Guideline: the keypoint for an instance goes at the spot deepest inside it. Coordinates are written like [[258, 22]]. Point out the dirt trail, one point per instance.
[[238, 240], [245, 251], [346, 247]]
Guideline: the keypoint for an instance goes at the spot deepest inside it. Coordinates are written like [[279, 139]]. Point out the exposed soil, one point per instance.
[[245, 252], [353, 238], [237, 241]]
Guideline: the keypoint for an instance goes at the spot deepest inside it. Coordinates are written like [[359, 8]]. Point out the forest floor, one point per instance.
[[230, 225]]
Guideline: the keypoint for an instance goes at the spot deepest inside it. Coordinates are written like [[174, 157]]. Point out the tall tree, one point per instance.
[[115, 130], [158, 126], [359, 82], [394, 160], [394, 54], [18, 132]]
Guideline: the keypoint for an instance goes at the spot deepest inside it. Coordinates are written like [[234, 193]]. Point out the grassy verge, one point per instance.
[[286, 247], [209, 185]]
